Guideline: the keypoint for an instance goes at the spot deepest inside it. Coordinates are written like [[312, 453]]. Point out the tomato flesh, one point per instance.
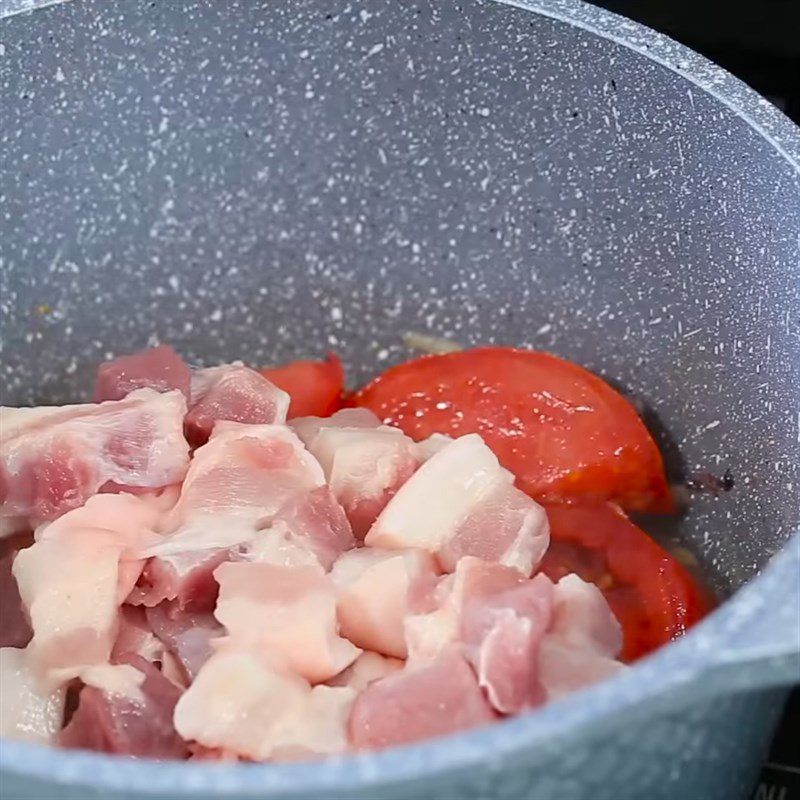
[[651, 593], [564, 433], [316, 387]]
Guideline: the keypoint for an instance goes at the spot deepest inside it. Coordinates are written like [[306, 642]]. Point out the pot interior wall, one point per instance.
[[272, 180]]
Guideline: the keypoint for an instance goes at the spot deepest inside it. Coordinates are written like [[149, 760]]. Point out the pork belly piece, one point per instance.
[[186, 578], [128, 713], [26, 711], [418, 702], [582, 642], [366, 669], [288, 612], [497, 619], [583, 619], [250, 487], [236, 485], [462, 502], [315, 522], [307, 428], [507, 528], [186, 635], [429, 447], [564, 669], [377, 590], [53, 459], [235, 393], [159, 368], [74, 578], [242, 703], [365, 463]]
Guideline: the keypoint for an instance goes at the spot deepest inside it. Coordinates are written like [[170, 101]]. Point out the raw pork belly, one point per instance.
[[250, 484], [498, 619], [159, 368], [74, 578], [461, 502], [377, 590], [432, 699], [27, 711], [231, 392], [244, 704], [234, 393], [279, 592], [289, 612], [53, 459], [365, 463], [135, 719], [583, 642]]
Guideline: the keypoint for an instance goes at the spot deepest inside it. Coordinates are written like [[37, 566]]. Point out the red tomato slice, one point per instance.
[[316, 387], [564, 432], [652, 594]]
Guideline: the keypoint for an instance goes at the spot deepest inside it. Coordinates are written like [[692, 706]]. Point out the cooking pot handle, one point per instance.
[[757, 639]]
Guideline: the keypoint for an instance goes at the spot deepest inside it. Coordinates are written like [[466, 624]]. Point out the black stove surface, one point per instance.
[[757, 42]]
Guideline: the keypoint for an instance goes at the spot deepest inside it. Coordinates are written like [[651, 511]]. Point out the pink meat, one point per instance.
[[377, 590], [365, 463], [287, 612], [134, 637], [133, 726], [308, 427], [507, 527], [461, 502], [249, 482], [159, 368], [317, 522], [74, 578], [54, 459], [564, 669], [437, 618], [497, 618], [200, 752], [27, 710], [242, 703], [187, 578], [419, 702], [366, 669], [582, 641], [186, 635], [235, 393], [238, 482], [15, 627], [503, 635], [582, 618]]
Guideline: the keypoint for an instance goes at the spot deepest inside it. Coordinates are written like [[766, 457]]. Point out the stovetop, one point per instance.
[[757, 42]]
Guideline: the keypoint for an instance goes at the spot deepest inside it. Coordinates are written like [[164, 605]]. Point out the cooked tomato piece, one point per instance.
[[316, 387], [564, 432], [652, 594]]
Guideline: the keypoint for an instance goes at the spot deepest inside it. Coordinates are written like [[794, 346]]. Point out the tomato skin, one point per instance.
[[651, 593], [564, 432], [316, 387]]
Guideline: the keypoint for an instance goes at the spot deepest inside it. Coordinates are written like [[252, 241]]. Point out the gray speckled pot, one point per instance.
[[265, 180]]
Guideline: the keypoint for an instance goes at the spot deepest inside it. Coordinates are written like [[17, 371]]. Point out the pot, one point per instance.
[[267, 180]]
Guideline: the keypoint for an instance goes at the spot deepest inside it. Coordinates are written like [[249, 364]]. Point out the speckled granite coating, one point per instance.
[[266, 180]]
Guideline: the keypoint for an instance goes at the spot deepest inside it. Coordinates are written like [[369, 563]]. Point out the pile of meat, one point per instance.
[[206, 580]]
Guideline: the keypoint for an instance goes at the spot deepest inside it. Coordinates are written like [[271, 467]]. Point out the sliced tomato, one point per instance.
[[652, 594], [316, 387], [564, 432]]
